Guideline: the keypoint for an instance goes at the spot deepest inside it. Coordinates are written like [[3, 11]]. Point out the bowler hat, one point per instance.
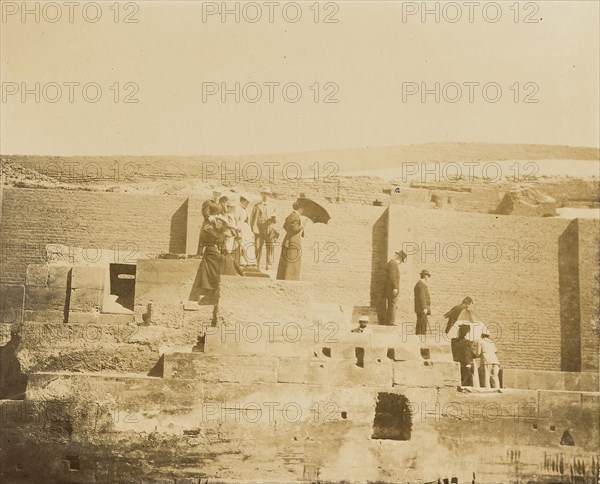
[[425, 272], [402, 255]]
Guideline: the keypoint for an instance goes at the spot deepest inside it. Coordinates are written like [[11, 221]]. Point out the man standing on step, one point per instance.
[[261, 221], [422, 303], [392, 286]]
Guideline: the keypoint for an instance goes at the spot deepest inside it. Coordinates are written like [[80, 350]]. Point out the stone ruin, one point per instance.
[[126, 374]]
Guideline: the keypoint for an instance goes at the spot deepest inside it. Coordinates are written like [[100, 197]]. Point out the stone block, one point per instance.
[[83, 317], [310, 371], [416, 374], [140, 397], [58, 276], [119, 358], [75, 335], [44, 298], [221, 368], [168, 271], [44, 315], [559, 404], [438, 350], [347, 372], [405, 352], [115, 318], [229, 344], [582, 382], [85, 300], [448, 371], [168, 315], [36, 275], [337, 314], [146, 292], [88, 277], [241, 299]]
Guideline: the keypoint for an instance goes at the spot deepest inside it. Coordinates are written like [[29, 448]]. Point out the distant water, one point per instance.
[[521, 169], [571, 213]]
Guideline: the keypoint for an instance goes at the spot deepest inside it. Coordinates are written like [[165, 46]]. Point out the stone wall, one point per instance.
[[589, 288], [508, 265], [99, 221]]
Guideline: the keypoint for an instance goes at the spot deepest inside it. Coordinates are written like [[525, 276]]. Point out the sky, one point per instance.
[[141, 78]]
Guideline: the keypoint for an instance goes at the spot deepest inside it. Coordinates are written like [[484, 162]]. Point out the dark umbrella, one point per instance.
[[313, 211]]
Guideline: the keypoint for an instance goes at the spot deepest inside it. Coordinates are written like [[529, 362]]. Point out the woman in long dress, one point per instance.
[[215, 259], [291, 247], [248, 252]]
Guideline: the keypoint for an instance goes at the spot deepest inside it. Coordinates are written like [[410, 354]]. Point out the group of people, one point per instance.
[[232, 237], [464, 350]]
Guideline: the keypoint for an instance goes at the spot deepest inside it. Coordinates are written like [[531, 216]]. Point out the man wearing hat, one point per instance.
[[486, 350], [261, 221], [362, 325], [422, 303], [392, 286]]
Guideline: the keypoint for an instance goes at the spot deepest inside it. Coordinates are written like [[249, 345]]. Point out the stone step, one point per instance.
[[254, 272]]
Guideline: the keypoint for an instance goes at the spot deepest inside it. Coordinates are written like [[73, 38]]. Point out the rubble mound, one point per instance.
[[527, 201], [15, 174]]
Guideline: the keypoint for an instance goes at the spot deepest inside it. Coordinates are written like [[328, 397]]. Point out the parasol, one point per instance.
[[313, 211], [469, 318]]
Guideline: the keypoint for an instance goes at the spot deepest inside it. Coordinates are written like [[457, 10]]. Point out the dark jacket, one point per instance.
[[392, 278], [422, 299], [210, 207], [462, 351], [290, 260]]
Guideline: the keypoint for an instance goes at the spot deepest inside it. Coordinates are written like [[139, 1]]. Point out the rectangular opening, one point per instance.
[[393, 417], [121, 289], [360, 357], [73, 462]]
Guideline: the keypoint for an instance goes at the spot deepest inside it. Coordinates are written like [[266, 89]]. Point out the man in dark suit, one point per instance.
[[462, 351], [422, 303], [392, 286]]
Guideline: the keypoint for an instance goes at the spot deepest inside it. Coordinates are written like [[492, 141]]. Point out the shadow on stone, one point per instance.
[[158, 369], [13, 382]]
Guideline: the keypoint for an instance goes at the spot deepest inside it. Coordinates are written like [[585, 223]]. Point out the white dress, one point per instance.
[[248, 255]]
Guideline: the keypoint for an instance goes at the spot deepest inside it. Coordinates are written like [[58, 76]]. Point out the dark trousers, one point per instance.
[[422, 324], [259, 242], [391, 306], [466, 375]]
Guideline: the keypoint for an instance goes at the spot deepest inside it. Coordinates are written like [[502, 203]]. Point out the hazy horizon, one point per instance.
[[369, 56]]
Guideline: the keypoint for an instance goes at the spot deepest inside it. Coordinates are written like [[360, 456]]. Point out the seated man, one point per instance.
[[362, 325], [462, 351]]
